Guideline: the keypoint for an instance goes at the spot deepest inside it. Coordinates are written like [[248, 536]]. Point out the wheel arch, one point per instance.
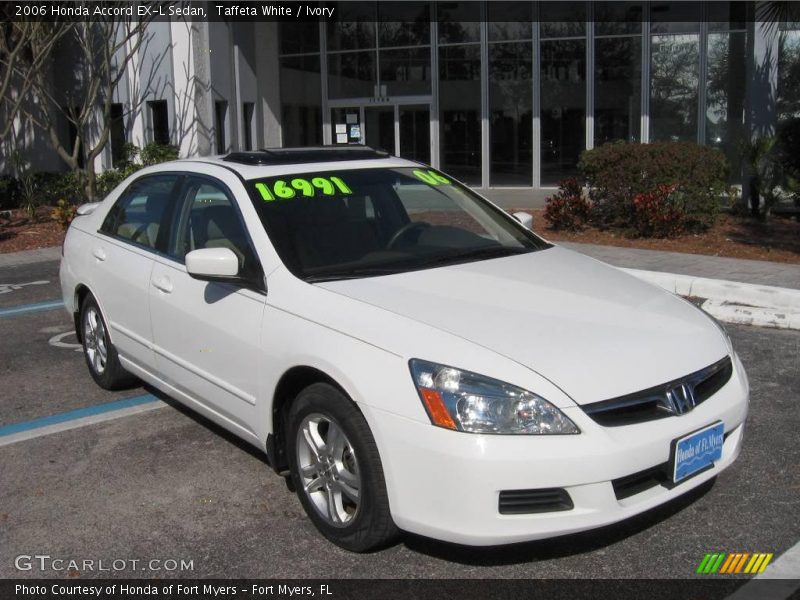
[[290, 384], [81, 291]]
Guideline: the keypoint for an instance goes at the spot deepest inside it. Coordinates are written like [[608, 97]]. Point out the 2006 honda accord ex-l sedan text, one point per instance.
[[410, 356]]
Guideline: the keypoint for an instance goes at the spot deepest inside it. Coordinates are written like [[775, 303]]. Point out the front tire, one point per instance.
[[336, 470], [100, 354]]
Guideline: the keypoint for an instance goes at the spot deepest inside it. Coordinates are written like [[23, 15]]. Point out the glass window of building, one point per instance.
[[352, 26], [511, 113], [725, 95], [617, 18], [674, 83], [789, 75], [404, 24], [617, 88], [459, 22], [509, 21], [460, 112], [301, 100], [562, 19], [351, 74], [563, 107], [406, 71]]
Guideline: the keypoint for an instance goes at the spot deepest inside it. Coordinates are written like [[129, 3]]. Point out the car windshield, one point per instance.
[[367, 222]]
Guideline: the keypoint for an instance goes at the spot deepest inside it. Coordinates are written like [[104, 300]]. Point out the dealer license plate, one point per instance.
[[697, 451]]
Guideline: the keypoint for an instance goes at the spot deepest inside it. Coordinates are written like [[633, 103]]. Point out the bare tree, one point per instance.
[[103, 49]]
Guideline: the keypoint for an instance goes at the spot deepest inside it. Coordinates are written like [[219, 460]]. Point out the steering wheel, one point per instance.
[[404, 231]]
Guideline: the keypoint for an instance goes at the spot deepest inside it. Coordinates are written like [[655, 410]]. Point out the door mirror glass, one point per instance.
[[213, 264], [524, 218]]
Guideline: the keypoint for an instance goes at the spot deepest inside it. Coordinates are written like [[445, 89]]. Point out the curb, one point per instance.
[[733, 302], [27, 257]]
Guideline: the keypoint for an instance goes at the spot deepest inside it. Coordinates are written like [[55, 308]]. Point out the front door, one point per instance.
[[206, 335]]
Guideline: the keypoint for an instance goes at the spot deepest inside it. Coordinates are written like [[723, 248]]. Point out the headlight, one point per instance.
[[466, 401]]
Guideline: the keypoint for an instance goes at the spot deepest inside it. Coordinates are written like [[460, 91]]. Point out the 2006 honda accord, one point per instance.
[[409, 355]]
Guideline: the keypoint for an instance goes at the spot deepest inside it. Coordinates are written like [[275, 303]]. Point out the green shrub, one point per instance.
[[152, 154], [568, 209], [50, 187], [618, 172]]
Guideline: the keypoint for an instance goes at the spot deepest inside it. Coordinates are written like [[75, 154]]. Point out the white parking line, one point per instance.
[[14, 438], [779, 581]]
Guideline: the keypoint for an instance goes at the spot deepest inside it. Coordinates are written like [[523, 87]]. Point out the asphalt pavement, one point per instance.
[[168, 485]]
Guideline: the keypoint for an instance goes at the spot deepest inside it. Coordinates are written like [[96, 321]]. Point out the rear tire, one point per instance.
[[100, 354], [336, 470]]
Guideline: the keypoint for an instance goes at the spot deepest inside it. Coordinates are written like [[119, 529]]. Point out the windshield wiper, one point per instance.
[[475, 254]]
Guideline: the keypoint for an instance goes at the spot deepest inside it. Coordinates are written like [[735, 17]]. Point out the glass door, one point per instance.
[[379, 128], [403, 130], [415, 132]]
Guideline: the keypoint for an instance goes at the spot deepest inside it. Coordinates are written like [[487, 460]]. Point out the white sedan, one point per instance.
[[410, 356]]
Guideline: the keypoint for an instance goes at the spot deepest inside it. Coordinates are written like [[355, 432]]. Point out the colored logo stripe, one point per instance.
[[720, 562]]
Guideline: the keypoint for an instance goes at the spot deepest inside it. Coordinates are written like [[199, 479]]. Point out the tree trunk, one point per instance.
[[754, 197]]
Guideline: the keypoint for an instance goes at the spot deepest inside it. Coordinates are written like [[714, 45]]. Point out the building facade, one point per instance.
[[503, 95]]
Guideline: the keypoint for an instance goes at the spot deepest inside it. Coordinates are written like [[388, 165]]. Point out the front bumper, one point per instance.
[[446, 484]]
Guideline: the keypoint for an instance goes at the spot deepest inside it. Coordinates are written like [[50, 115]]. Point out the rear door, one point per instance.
[[122, 257], [207, 335]]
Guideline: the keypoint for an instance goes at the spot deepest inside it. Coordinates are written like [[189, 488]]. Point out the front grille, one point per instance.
[[521, 502], [652, 403]]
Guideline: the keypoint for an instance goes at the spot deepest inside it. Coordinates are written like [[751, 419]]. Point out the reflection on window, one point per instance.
[[404, 24], [725, 96], [510, 21], [563, 116], [352, 26], [562, 19], [511, 110], [617, 81], [789, 75], [301, 101], [460, 112], [675, 17], [459, 22], [351, 74], [406, 72], [617, 18], [674, 84]]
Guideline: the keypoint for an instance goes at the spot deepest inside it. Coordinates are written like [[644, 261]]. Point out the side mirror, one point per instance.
[[524, 218], [213, 264]]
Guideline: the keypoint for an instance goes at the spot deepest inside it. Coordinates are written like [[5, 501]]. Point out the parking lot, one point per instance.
[[164, 484]]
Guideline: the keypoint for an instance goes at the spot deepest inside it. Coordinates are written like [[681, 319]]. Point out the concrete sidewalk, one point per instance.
[[748, 292], [758, 272]]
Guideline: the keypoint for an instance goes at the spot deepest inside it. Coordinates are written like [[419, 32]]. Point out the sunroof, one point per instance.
[[283, 156]]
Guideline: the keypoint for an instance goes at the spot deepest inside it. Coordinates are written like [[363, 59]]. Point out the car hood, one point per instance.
[[591, 329]]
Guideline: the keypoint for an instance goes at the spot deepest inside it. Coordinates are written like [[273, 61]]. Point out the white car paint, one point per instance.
[[564, 326]]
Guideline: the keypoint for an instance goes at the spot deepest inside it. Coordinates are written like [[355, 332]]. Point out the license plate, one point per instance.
[[697, 451]]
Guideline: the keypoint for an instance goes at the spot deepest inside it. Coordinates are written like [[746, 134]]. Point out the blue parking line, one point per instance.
[[29, 308], [79, 413]]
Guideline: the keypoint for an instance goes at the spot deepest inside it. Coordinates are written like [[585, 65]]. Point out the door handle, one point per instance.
[[163, 283], [99, 254]]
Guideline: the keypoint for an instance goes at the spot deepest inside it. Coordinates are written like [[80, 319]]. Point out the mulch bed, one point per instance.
[[734, 237], [22, 233]]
